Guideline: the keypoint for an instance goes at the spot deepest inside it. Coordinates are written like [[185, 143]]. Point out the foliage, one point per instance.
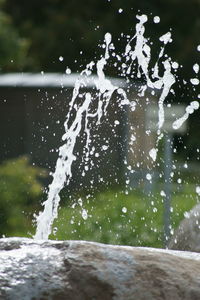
[[117, 218], [67, 27], [20, 191], [13, 48]]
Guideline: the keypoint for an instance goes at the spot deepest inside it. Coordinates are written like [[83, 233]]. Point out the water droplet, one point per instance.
[[84, 214], [196, 68], [68, 71], [194, 81], [148, 177], [156, 19], [162, 193], [195, 104], [166, 38], [104, 147], [175, 65], [198, 190], [179, 180], [80, 202], [124, 209], [153, 153], [55, 229], [61, 58], [186, 215]]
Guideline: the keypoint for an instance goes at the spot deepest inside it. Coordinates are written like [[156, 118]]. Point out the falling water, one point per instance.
[[137, 52]]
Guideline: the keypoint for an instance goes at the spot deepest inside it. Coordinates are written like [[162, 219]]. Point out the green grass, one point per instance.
[[109, 217], [117, 218]]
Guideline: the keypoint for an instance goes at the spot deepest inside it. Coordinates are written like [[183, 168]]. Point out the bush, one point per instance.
[[117, 218], [20, 192]]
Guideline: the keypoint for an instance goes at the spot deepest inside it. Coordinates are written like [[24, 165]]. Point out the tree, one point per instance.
[[13, 48], [64, 28]]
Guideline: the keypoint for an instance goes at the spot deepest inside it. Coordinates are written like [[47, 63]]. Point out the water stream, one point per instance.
[[134, 63]]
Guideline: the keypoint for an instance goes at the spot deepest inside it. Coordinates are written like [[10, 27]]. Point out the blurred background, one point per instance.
[[51, 36]]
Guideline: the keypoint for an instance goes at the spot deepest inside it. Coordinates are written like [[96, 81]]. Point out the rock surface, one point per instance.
[[79, 270], [187, 235]]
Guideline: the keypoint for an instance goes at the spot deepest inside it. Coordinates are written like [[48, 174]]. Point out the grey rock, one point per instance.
[[80, 270], [187, 236]]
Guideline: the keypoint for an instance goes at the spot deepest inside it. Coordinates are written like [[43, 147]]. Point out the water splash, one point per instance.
[[194, 105], [84, 112], [81, 108]]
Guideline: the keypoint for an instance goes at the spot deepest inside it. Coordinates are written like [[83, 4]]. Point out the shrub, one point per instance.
[[20, 191]]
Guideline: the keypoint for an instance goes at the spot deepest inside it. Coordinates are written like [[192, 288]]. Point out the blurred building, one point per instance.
[[33, 108]]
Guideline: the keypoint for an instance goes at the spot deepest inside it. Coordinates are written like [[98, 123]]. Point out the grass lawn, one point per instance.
[[116, 218]]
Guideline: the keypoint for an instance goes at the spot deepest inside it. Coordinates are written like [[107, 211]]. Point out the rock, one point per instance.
[[187, 236], [80, 270]]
